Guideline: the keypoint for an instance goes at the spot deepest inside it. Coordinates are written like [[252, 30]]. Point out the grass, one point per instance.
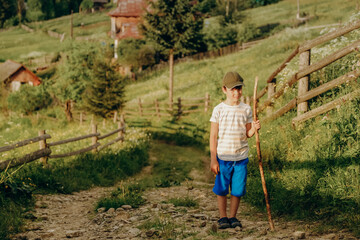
[[19, 45], [183, 202]]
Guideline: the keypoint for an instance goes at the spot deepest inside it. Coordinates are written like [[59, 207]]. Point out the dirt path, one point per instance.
[[73, 216]]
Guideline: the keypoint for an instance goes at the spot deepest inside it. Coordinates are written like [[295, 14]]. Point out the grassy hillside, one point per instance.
[[19, 45]]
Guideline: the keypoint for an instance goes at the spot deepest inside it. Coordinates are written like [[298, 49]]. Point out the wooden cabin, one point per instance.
[[125, 18], [14, 74]]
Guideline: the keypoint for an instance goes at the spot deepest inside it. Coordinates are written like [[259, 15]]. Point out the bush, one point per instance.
[[87, 5], [29, 99], [248, 32], [218, 35]]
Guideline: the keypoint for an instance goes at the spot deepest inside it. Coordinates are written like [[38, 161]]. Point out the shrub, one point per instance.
[[87, 5], [29, 99], [218, 35]]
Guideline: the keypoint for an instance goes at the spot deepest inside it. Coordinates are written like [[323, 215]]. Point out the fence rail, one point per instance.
[[177, 109], [45, 148], [302, 76]]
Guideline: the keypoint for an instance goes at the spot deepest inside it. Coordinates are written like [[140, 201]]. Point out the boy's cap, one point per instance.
[[232, 79]]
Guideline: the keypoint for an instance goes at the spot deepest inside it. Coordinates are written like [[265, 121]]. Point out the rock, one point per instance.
[[119, 209], [299, 235], [203, 224], [154, 205], [263, 232], [47, 235], [126, 207], [238, 229], [199, 216], [202, 235], [134, 232], [73, 234], [101, 210], [111, 210]]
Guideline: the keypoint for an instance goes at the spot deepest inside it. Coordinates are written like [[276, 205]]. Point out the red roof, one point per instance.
[[129, 8]]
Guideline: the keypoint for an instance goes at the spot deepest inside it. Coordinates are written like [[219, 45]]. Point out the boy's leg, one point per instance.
[[222, 205], [234, 205]]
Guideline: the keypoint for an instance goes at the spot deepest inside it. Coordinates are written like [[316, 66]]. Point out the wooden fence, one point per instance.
[[305, 69], [45, 152], [203, 55], [181, 108]]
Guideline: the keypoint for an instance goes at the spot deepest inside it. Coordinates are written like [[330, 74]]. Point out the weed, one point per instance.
[[184, 202]]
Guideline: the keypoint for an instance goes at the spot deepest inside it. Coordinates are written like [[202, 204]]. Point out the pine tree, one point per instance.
[[7, 10], [175, 26], [106, 91]]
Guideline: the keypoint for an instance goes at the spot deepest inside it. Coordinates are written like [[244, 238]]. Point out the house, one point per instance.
[[14, 74], [125, 18]]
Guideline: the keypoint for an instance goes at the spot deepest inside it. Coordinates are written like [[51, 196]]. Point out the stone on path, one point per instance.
[[299, 235]]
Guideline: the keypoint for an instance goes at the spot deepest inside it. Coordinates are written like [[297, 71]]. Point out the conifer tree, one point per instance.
[[105, 94], [175, 27]]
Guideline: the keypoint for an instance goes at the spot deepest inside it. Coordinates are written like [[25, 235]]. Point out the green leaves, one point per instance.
[[174, 25]]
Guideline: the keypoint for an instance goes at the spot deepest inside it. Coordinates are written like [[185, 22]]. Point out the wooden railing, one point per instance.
[[305, 69], [203, 55], [181, 108], [45, 147]]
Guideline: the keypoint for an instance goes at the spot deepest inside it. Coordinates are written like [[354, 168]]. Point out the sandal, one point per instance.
[[223, 223], [234, 222]]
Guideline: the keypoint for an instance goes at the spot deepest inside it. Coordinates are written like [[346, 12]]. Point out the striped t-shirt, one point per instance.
[[232, 140]]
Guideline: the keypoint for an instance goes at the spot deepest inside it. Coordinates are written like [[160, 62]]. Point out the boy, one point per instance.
[[231, 125]]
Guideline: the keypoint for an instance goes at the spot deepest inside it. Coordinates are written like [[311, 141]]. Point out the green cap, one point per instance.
[[232, 79]]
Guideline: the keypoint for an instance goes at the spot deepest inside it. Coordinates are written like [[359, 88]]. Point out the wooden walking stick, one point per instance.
[[260, 160]]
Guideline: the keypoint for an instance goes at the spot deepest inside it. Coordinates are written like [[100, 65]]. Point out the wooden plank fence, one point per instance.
[[204, 55], [45, 152], [182, 108], [302, 76]]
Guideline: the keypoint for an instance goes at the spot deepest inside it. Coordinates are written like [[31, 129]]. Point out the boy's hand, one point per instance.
[[257, 125], [214, 166]]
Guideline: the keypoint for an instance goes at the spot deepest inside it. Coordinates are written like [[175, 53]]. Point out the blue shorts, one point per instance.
[[233, 174]]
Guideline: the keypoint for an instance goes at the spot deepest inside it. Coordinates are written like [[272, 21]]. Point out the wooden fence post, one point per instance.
[[157, 108], [270, 92], [95, 138], [42, 145], [140, 107], [207, 102], [179, 108], [115, 116], [81, 118], [121, 124], [304, 61]]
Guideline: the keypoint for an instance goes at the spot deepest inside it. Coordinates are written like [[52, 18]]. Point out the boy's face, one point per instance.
[[233, 94]]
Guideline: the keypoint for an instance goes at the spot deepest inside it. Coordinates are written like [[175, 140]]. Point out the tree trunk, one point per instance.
[[171, 80], [68, 110]]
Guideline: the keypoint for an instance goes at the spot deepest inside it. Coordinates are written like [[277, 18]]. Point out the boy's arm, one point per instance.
[[214, 165], [251, 127]]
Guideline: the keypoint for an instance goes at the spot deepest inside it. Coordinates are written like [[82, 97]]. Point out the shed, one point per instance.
[[125, 18], [14, 74]]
